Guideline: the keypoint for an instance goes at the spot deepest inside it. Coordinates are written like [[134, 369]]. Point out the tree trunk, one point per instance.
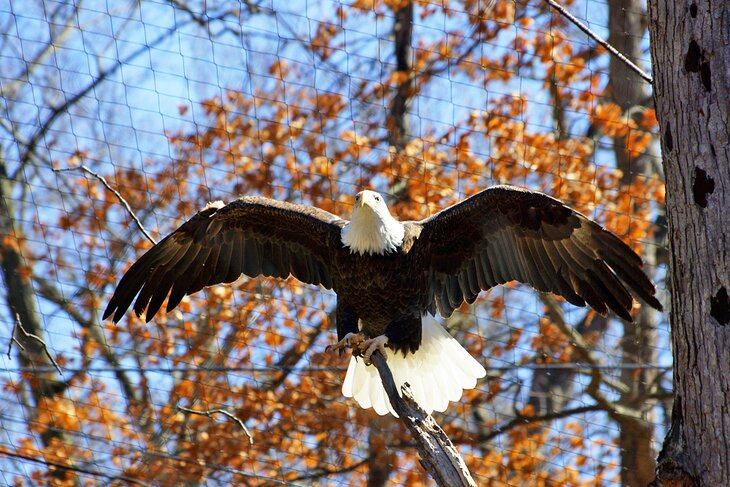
[[403, 36], [691, 57], [397, 124]]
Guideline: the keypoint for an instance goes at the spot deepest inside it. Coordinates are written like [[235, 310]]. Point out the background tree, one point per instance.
[[691, 60], [165, 106]]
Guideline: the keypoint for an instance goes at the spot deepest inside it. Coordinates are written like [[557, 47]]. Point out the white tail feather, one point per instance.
[[438, 373]]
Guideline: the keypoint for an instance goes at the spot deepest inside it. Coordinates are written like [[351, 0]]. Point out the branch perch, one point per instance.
[[438, 455]]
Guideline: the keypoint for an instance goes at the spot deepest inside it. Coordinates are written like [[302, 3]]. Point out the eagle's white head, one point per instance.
[[372, 228]]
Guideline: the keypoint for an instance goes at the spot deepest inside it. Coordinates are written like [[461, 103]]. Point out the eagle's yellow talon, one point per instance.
[[368, 347], [351, 340]]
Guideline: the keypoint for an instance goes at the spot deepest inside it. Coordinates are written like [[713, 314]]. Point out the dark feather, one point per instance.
[[483, 265], [251, 258], [235, 266], [548, 281], [519, 235], [557, 268], [251, 235]]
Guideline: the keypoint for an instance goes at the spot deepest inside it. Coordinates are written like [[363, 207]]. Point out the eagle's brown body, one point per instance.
[[388, 293]]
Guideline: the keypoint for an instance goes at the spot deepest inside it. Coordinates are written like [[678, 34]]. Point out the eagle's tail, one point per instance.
[[438, 372]]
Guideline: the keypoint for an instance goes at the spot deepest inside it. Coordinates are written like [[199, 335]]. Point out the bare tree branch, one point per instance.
[[12, 337], [210, 412], [115, 192], [56, 112], [57, 38], [204, 19], [320, 472], [523, 420], [583, 350], [19, 325], [403, 34], [574, 20]]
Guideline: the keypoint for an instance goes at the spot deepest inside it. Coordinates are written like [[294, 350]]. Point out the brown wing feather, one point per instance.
[[252, 236], [507, 233]]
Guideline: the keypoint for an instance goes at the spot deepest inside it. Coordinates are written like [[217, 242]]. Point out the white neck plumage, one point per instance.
[[372, 230]]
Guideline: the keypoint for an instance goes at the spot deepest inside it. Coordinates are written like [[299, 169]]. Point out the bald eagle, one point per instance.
[[388, 274]]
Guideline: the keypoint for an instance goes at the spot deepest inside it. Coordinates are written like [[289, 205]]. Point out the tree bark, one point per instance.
[[691, 58]]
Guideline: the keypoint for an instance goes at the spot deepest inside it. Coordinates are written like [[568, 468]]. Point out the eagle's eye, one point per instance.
[[377, 198]]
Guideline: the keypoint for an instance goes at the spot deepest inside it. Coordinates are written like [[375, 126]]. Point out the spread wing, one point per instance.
[[506, 233], [252, 236]]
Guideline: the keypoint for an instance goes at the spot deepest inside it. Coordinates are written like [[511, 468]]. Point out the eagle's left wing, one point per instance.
[[252, 235], [506, 233]]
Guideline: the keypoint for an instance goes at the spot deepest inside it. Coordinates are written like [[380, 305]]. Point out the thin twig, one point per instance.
[[320, 472], [36, 338], [115, 192], [52, 294], [12, 336], [210, 412], [438, 455], [602, 42]]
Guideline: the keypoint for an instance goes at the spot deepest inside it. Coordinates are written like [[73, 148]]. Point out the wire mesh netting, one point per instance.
[[121, 119]]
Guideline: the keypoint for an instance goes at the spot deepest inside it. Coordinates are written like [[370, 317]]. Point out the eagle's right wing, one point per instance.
[[505, 233], [252, 236]]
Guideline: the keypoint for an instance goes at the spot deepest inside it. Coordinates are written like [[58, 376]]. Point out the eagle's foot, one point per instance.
[[368, 347], [351, 340]]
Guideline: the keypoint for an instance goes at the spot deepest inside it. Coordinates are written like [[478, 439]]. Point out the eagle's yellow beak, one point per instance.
[[365, 199]]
